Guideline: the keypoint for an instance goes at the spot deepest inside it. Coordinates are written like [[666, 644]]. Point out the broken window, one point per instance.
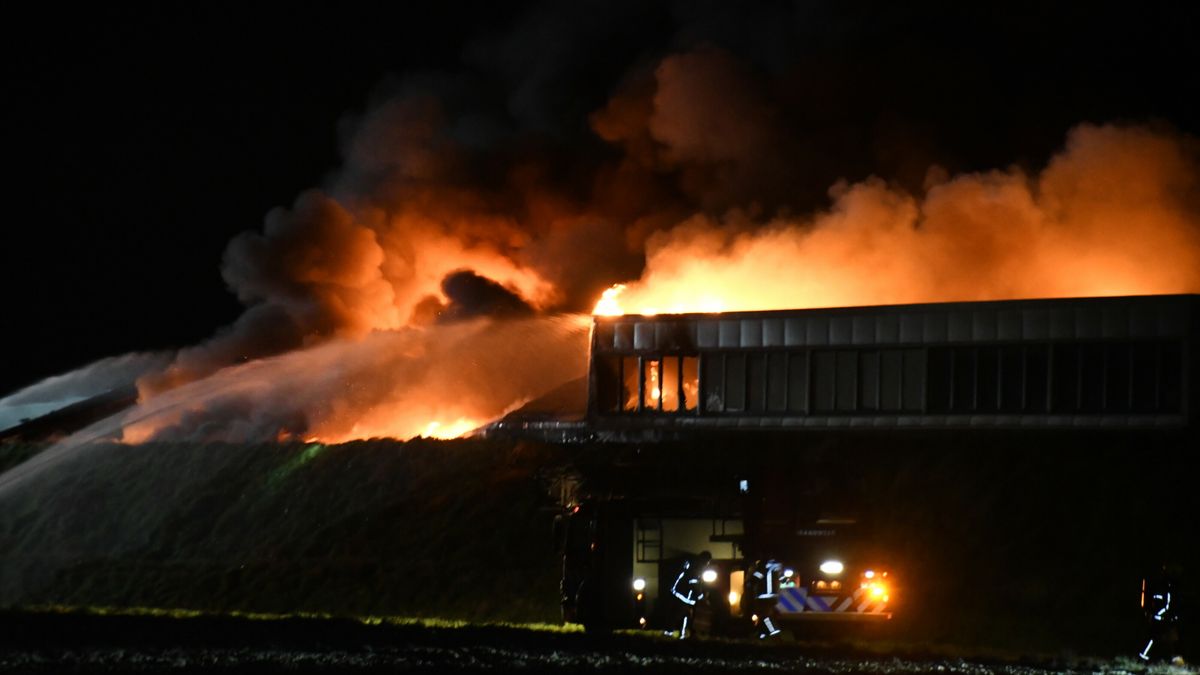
[[714, 383], [651, 384], [629, 383], [670, 384], [608, 378], [691, 382]]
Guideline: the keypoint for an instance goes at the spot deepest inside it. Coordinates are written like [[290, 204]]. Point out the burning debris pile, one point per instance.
[[440, 278]]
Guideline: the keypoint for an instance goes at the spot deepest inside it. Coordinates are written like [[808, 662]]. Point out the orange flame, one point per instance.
[[1108, 216]]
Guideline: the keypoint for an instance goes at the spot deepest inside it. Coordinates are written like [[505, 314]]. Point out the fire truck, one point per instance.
[[622, 550], [713, 429]]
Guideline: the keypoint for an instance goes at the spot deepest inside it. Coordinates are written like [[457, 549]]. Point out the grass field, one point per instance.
[[998, 550]]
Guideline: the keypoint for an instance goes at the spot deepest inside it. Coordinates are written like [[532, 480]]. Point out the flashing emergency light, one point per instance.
[[639, 584], [709, 576], [832, 567]]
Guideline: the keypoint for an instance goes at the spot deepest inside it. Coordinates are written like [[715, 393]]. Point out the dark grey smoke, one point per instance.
[[534, 173], [474, 296]]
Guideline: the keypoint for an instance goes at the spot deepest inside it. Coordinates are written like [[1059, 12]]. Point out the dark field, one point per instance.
[[56, 642], [1025, 547]]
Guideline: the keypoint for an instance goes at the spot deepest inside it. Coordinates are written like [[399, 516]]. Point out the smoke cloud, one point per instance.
[[1114, 213], [469, 203]]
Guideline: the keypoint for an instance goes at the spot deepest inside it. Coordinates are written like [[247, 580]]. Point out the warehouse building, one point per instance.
[[1124, 362]]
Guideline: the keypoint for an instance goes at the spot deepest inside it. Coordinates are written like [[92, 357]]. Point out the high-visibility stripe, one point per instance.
[[797, 600], [786, 604]]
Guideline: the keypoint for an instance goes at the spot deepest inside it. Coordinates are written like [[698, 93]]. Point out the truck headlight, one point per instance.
[[832, 567]]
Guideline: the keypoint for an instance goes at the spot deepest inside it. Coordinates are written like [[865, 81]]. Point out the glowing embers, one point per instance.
[[660, 383]]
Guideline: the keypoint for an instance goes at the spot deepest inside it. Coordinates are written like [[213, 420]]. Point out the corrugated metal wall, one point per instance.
[[957, 323], [1151, 320]]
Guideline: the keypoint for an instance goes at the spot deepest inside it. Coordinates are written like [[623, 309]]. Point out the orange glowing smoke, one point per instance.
[[433, 381], [1115, 213]]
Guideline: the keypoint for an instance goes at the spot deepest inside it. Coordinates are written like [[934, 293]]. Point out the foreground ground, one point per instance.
[[1000, 547], [55, 642]]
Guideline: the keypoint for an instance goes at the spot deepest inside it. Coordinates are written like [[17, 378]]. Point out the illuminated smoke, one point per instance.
[[442, 380], [695, 188], [1115, 213]]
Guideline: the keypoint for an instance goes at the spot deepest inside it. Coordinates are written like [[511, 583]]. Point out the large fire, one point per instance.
[[1114, 214], [422, 307]]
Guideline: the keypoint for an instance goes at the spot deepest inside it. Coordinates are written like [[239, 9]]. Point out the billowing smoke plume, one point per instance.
[[1115, 213], [701, 180]]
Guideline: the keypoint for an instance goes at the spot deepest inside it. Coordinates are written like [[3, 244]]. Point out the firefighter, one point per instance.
[[688, 589], [764, 589], [1160, 608]]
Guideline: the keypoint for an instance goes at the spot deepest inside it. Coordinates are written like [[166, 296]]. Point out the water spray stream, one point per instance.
[[437, 380]]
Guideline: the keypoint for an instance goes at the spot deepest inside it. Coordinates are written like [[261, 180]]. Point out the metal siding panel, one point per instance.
[[1035, 324], [751, 332], [1173, 318], [935, 327], [864, 330], [663, 335], [818, 330], [793, 332], [1115, 321], [912, 328], [1062, 323], [1088, 323], [959, 326], [605, 336], [1009, 327], [983, 327], [676, 335], [730, 333], [841, 330], [1143, 321], [887, 329], [773, 332], [624, 336], [706, 333], [643, 335]]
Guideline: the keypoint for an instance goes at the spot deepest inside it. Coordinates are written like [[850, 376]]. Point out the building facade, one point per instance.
[[1125, 362]]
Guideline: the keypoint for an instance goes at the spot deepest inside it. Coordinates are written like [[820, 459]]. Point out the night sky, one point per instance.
[[141, 140]]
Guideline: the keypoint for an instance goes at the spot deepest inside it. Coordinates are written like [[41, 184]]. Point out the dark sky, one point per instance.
[[141, 140]]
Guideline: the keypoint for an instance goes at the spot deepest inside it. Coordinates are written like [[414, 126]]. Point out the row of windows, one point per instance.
[[1139, 377]]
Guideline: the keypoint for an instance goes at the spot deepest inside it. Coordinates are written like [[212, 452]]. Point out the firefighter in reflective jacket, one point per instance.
[[1160, 608], [764, 589], [688, 589]]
